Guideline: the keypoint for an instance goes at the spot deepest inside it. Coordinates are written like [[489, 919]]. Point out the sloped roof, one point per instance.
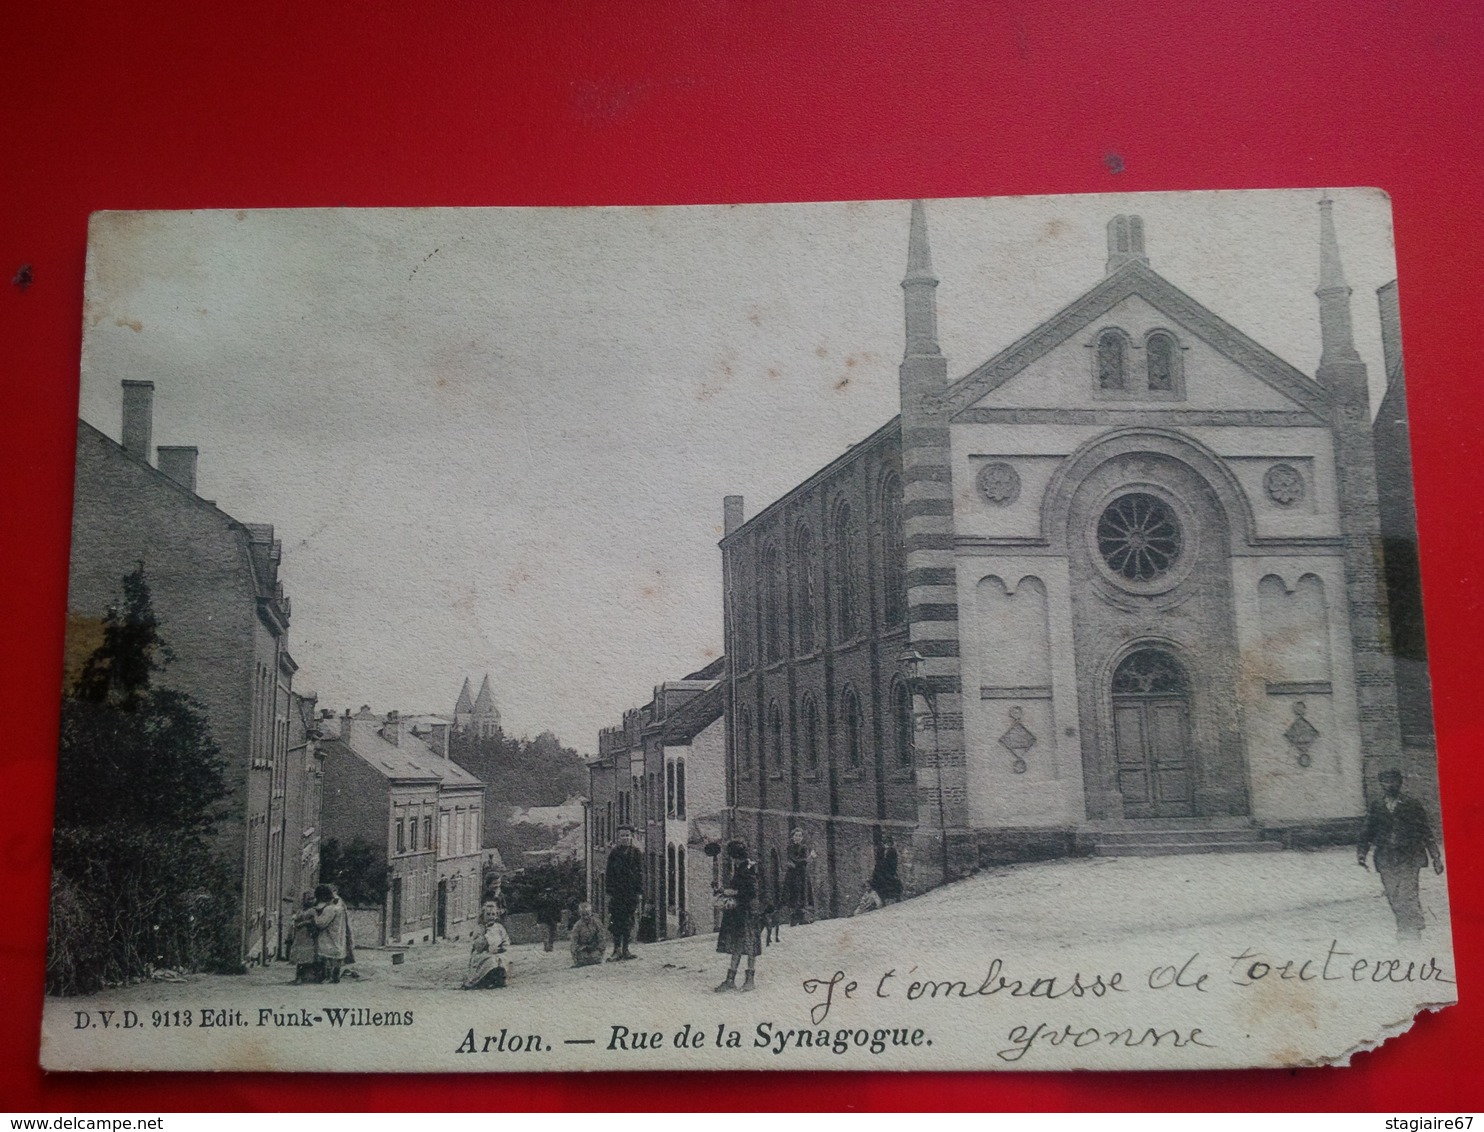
[[261, 549], [693, 716], [712, 671], [410, 763], [1136, 278], [466, 701], [889, 433]]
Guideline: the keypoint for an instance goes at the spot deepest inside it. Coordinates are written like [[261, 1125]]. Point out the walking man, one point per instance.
[[1397, 827], [624, 880]]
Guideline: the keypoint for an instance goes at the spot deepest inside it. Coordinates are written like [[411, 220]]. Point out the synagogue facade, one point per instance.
[[1119, 588]]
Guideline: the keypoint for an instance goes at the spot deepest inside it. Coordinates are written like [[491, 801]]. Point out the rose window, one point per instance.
[[1139, 537]]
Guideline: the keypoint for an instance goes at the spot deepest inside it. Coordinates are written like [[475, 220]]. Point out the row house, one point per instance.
[[422, 812], [661, 772], [222, 610], [304, 775]]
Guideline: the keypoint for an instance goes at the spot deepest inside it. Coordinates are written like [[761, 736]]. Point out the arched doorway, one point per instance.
[[1151, 735]]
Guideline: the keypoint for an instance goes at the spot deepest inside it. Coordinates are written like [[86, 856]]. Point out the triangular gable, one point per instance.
[[1138, 279]]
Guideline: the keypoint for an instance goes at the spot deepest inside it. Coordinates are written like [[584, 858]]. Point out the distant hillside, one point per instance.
[[519, 773]]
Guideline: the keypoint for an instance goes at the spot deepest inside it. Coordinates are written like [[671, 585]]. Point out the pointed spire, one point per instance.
[[466, 700], [919, 257], [1336, 334], [920, 284], [484, 703], [1331, 273]]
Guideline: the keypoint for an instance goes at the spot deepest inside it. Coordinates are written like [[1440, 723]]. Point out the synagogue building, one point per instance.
[[1117, 589]]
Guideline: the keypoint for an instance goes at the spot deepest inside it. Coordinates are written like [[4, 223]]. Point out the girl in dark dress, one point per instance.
[[740, 932]]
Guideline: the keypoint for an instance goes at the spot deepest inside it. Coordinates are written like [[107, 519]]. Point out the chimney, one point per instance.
[[178, 461], [347, 724], [731, 514], [139, 411], [1125, 242], [391, 730]]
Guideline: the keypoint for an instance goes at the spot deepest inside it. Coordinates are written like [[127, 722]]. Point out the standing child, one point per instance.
[[301, 950], [739, 934]]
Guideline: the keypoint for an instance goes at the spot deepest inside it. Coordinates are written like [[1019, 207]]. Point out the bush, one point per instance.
[[129, 900], [357, 869], [141, 787], [562, 882]]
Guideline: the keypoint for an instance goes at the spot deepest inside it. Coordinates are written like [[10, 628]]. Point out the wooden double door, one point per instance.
[[1152, 736]]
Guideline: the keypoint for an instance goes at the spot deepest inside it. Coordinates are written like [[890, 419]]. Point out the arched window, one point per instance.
[[1150, 672], [670, 875], [775, 736], [680, 788], [808, 587], [893, 552], [670, 789], [855, 728], [810, 716], [1112, 360], [772, 583], [901, 711], [744, 740], [680, 876], [1159, 356], [845, 582]]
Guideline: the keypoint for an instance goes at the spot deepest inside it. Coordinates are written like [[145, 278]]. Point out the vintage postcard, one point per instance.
[[962, 634]]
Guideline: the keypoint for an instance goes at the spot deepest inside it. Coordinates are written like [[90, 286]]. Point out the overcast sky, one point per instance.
[[498, 440]]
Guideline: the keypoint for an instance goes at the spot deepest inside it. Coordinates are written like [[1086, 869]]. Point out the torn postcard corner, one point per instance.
[[963, 634]]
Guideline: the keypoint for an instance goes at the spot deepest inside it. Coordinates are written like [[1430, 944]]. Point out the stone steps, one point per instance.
[[1165, 849], [1166, 840]]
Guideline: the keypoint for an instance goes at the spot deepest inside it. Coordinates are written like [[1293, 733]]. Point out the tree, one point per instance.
[[130, 751], [357, 868], [518, 773], [140, 788], [563, 882]]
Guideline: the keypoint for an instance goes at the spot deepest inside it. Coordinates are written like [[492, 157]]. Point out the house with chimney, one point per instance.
[[422, 812], [214, 583], [1116, 589]]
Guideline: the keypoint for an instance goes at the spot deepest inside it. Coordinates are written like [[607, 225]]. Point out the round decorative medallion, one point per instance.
[[1139, 537], [1284, 485], [999, 483]]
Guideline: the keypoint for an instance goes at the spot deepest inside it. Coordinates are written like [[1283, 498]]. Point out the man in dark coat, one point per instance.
[[1398, 828], [884, 879], [624, 881]]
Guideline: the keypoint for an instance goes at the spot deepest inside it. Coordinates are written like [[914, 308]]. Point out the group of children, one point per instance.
[[322, 946]]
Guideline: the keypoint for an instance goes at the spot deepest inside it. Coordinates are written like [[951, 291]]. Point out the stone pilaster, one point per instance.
[[1343, 375], [932, 592]]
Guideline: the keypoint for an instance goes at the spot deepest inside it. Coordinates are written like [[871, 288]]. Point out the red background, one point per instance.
[[180, 104]]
